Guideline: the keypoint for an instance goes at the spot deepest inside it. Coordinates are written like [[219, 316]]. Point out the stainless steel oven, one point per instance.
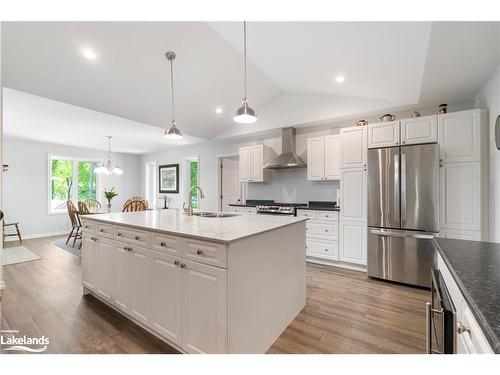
[[441, 319]]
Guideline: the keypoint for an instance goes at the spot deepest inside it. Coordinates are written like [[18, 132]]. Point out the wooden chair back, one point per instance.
[[134, 206], [92, 203], [83, 209], [73, 214], [136, 199]]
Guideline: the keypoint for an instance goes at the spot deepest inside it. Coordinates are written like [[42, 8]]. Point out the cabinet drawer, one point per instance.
[[132, 236], [167, 244], [474, 335], [204, 252], [323, 228], [306, 213], [106, 230], [322, 248], [89, 226], [327, 215]]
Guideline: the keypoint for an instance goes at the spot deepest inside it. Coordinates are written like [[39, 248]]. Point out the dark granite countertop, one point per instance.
[[242, 205], [475, 266]]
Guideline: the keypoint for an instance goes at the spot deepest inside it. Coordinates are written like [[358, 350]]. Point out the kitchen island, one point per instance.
[[202, 284]]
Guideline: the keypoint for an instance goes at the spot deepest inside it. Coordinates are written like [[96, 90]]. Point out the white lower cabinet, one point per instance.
[[121, 277], [104, 267], [353, 242], [204, 308], [89, 271], [140, 265], [166, 294]]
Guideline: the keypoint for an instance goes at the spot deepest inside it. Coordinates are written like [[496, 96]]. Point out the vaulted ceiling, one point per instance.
[[291, 74]]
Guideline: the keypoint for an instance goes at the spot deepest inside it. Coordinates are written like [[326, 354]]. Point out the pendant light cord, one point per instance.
[[172, 89], [245, 59]]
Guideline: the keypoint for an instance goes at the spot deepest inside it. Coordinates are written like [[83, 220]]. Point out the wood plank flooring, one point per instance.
[[346, 312]]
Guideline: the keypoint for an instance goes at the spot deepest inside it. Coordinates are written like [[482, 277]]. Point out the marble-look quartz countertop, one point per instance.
[[171, 221], [475, 266]]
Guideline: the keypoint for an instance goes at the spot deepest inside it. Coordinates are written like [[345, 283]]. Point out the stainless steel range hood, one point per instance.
[[288, 157]]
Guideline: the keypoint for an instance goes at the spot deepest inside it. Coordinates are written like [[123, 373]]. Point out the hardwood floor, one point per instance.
[[346, 312]]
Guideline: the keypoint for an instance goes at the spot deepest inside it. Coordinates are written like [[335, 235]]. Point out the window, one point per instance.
[[63, 172], [193, 181]]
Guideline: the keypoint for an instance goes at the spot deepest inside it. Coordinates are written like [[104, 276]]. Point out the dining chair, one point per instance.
[[83, 208], [92, 203], [134, 206], [16, 226], [136, 199], [76, 224]]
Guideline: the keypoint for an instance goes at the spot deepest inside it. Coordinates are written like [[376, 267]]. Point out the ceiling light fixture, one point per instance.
[[218, 110], [89, 54], [172, 132], [107, 166], [245, 114], [340, 79]]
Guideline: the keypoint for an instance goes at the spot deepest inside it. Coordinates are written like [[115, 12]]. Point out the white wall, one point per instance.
[[25, 185], [286, 185], [489, 98]]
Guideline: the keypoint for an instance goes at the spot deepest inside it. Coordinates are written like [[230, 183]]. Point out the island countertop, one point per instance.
[[475, 266], [171, 221]]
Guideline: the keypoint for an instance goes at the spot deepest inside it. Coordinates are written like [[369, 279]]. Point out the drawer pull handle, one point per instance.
[[119, 234], [199, 252], [461, 328], [177, 262], [163, 244], [137, 238]]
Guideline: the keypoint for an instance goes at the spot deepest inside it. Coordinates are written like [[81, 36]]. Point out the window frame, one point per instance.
[[74, 192]]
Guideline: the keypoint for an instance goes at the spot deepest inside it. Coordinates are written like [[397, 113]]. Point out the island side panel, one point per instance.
[[266, 287]]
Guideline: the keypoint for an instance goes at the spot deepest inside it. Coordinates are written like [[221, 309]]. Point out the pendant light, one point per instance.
[[172, 132], [245, 114], [107, 166]]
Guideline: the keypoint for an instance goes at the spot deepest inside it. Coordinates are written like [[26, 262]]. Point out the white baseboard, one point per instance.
[[334, 263], [40, 235]]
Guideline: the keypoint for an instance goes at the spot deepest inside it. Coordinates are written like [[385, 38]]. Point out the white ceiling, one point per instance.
[[291, 75]]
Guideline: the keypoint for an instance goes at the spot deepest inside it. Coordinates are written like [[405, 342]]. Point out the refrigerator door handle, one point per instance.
[[403, 188], [421, 236], [396, 186]]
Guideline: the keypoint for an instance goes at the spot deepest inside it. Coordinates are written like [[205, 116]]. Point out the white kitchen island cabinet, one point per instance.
[[203, 285]]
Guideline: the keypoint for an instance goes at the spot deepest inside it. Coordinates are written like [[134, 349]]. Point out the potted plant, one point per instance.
[[110, 194]]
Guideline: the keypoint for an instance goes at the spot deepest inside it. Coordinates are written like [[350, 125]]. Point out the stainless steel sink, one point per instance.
[[213, 214]]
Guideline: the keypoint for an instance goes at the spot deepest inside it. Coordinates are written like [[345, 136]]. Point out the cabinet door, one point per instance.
[[353, 194], [140, 290], [353, 147], [353, 242], [166, 305], [332, 157], [384, 134], [316, 158], [121, 277], [204, 306], [89, 271], [460, 196], [244, 164], [461, 234], [459, 136], [104, 267], [419, 130], [256, 164]]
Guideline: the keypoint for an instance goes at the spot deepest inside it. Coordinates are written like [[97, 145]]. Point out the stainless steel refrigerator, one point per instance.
[[403, 212]]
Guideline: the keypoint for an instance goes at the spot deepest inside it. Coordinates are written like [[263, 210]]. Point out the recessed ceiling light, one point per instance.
[[218, 110], [340, 79], [89, 54]]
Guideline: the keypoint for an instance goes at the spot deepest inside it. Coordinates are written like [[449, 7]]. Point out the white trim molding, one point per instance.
[[39, 235]]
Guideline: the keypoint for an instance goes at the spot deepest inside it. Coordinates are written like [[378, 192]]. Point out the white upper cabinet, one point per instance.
[[332, 157], [316, 158], [384, 134], [252, 160], [353, 194], [419, 130], [323, 158], [353, 146], [459, 136]]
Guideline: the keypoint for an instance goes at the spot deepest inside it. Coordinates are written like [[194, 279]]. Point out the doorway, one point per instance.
[[151, 184], [230, 188]]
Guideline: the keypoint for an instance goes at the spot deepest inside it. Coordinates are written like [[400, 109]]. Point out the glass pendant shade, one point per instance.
[[245, 114], [107, 166]]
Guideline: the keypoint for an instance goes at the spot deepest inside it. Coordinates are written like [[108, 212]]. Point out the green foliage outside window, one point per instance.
[[193, 182], [87, 180], [62, 179]]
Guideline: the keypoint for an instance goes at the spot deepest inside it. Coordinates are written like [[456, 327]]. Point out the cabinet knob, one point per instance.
[[118, 234], [461, 328], [177, 262], [326, 230], [163, 244], [86, 226], [102, 230], [137, 238], [199, 252], [183, 265]]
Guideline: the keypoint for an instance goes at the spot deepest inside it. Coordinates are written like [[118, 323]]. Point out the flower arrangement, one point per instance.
[[110, 193]]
